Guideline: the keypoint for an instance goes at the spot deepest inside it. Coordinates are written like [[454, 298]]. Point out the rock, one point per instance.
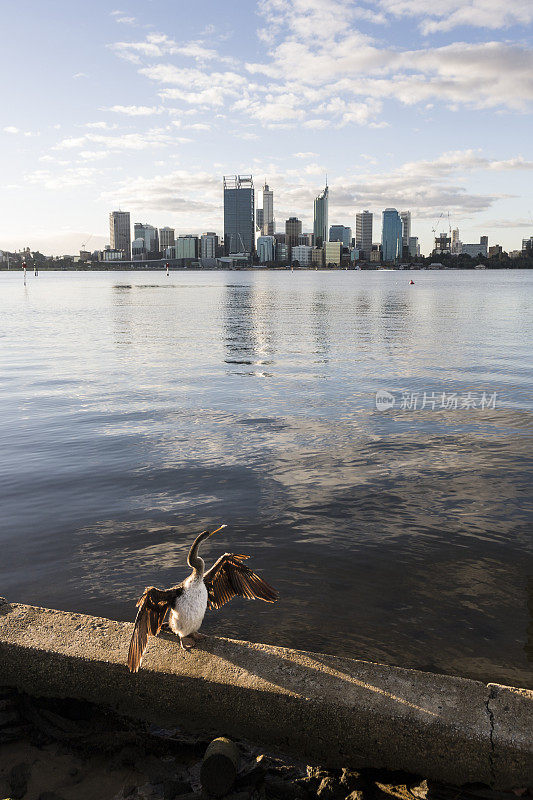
[[350, 779], [330, 789], [18, 779]]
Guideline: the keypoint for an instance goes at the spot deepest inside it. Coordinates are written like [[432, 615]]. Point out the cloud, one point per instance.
[[159, 45], [80, 75], [11, 129], [101, 125], [136, 111], [155, 137], [434, 17], [305, 155]]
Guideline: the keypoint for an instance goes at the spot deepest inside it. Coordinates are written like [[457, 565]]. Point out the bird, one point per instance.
[[187, 602]]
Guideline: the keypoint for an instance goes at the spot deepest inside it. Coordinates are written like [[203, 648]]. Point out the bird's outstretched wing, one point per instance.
[[153, 605], [229, 577]]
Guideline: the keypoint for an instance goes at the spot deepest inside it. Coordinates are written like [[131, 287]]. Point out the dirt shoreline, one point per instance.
[[53, 749]]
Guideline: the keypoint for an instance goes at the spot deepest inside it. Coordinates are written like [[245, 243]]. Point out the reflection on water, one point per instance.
[[137, 410]]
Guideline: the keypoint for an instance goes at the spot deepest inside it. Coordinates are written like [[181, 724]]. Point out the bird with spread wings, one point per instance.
[[187, 602]]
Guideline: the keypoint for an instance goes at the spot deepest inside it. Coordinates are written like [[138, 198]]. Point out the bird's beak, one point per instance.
[[218, 529]]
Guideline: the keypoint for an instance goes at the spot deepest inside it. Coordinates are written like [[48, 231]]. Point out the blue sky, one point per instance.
[[145, 105]]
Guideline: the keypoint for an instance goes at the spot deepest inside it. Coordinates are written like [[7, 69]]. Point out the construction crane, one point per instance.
[[86, 242]]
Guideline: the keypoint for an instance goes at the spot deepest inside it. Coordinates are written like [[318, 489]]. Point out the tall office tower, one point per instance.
[[119, 232], [391, 235], [239, 223], [320, 217], [340, 233], [208, 245], [293, 229], [259, 217], [484, 242], [266, 249], [363, 233], [268, 211], [414, 247], [166, 238], [150, 235], [405, 217], [456, 242]]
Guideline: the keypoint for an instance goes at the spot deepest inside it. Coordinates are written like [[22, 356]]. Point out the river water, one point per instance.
[[137, 409]]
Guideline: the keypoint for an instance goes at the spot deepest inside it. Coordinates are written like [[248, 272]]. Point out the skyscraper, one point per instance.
[[293, 229], [119, 232], [268, 211], [320, 217], [391, 236], [208, 245], [363, 233], [405, 217], [239, 223], [340, 233], [150, 235], [166, 238]]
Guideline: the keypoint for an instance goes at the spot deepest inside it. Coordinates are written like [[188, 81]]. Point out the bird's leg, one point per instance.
[[165, 628], [197, 636], [186, 643]]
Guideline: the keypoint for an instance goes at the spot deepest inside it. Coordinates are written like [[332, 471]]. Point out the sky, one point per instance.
[[145, 105]]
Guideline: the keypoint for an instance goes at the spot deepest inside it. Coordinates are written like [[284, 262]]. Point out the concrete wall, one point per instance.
[[331, 711]]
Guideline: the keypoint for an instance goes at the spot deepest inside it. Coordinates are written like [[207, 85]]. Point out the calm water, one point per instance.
[[136, 410]]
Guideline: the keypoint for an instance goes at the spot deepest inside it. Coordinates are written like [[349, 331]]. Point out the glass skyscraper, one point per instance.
[[320, 225], [391, 237], [239, 224]]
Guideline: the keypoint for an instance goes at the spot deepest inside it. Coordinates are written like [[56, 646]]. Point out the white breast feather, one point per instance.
[[189, 609]]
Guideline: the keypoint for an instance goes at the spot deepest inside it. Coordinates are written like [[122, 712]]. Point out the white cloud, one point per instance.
[[136, 111], [434, 17], [155, 137], [11, 129]]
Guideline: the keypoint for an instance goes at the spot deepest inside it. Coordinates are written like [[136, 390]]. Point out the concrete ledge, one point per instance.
[[332, 711]]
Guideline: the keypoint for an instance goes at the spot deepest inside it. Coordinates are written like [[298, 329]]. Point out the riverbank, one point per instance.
[[325, 710]]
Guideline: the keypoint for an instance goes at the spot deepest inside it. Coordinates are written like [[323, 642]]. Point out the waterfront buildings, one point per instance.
[[293, 229], [363, 233], [268, 225], [150, 236], [266, 249], [317, 256], [259, 217], [187, 247], [413, 246], [332, 253], [239, 223], [405, 217], [120, 232], [306, 238], [456, 242], [166, 238], [320, 217], [209, 245], [391, 237], [340, 233], [475, 250], [443, 244], [303, 254]]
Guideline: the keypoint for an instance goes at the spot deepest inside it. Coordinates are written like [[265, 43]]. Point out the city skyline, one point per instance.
[[401, 107]]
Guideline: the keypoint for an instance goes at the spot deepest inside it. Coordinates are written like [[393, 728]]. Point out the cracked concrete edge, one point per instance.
[[510, 712], [333, 711]]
